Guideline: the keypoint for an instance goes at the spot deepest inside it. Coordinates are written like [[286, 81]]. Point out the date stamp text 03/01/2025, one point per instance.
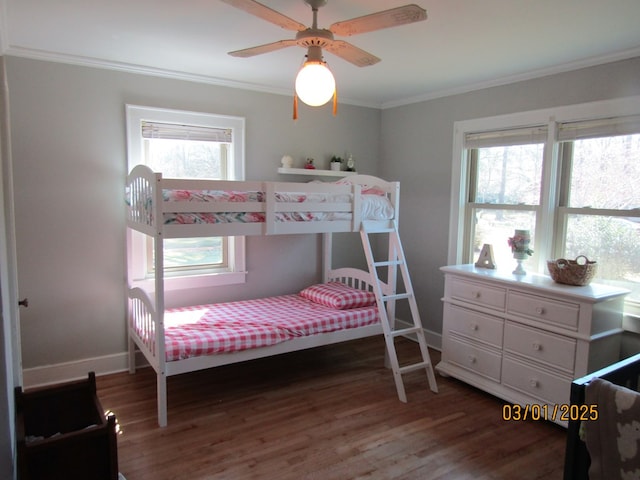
[[558, 412]]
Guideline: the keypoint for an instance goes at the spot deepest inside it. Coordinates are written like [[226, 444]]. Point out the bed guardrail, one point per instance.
[[147, 208]]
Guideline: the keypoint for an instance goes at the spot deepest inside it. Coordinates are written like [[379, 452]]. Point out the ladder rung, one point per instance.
[[388, 263], [413, 367], [379, 230], [405, 331], [397, 296]]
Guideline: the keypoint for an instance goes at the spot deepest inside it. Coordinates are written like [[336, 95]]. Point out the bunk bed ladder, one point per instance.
[[386, 297]]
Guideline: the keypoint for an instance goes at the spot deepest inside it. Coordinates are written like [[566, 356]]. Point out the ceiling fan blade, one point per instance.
[[269, 47], [266, 13], [351, 53], [376, 21]]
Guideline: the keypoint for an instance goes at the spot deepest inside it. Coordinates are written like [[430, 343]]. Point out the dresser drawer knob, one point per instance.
[[474, 327], [475, 294], [540, 310], [533, 383], [472, 359], [536, 346]]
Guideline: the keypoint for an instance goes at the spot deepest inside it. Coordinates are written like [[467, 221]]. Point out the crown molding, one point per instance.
[[543, 72], [84, 61], [78, 60]]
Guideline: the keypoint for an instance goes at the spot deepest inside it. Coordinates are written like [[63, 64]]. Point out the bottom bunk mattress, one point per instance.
[[234, 326]]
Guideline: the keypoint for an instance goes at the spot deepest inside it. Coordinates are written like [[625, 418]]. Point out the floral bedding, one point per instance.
[[241, 196], [374, 207]]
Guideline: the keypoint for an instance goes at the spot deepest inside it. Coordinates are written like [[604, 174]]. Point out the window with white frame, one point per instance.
[[569, 175], [183, 144], [504, 188]]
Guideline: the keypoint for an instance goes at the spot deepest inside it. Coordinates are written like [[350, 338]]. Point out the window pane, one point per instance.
[[189, 159], [613, 242], [186, 158], [193, 252], [495, 227], [509, 175], [606, 173]]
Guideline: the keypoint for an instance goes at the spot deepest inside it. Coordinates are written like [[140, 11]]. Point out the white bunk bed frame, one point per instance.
[[145, 211]]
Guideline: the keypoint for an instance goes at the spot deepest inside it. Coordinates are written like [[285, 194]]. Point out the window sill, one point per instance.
[[631, 323], [195, 281]]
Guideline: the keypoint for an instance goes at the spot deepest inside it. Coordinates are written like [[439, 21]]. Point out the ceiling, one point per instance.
[[462, 46]]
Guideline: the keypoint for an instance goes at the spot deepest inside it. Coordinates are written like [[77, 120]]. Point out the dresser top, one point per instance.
[[593, 291]]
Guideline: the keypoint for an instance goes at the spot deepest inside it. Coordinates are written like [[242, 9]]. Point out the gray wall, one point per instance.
[[417, 143], [68, 141]]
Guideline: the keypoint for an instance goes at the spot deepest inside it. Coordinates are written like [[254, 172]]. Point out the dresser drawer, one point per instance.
[[472, 357], [545, 386], [555, 350], [541, 308], [478, 293], [474, 325]]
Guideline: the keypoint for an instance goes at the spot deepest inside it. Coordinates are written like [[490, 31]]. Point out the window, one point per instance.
[[504, 191], [188, 145], [569, 175], [599, 199]]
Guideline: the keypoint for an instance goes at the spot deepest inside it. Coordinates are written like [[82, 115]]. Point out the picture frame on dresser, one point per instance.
[[525, 338]]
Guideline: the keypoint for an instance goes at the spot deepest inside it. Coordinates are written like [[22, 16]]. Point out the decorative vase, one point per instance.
[[519, 244], [520, 257], [335, 166]]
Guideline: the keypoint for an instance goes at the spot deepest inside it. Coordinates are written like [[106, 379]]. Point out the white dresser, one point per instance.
[[525, 338]]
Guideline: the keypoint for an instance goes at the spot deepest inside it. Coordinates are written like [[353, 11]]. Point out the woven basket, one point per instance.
[[572, 272]]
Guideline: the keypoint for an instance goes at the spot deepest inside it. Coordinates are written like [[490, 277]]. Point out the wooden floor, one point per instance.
[[327, 413]]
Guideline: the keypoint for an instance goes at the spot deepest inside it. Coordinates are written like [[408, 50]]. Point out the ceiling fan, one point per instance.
[[315, 84], [324, 38]]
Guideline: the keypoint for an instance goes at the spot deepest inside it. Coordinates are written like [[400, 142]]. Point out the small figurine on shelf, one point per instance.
[[351, 164], [309, 165], [287, 161]]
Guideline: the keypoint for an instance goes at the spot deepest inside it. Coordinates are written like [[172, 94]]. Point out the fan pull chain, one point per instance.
[[335, 101]]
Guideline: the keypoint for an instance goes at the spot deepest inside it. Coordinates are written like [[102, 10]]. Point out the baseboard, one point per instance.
[[119, 362], [434, 339], [76, 370]]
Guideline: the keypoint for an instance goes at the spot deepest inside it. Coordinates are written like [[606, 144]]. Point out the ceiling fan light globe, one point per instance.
[[315, 84]]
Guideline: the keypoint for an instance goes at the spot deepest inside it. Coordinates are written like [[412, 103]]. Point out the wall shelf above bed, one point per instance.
[[315, 172]]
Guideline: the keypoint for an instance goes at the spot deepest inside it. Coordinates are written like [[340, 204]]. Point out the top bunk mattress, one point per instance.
[[235, 326]]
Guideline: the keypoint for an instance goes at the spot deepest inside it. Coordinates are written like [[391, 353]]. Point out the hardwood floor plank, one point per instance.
[[327, 413]]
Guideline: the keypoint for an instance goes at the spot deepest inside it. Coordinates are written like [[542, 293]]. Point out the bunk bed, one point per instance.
[[180, 208]]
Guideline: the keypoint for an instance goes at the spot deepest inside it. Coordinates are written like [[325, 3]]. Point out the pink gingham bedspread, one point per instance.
[[235, 326]]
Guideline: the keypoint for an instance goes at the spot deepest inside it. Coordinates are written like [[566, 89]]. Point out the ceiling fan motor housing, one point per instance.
[[314, 37]]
